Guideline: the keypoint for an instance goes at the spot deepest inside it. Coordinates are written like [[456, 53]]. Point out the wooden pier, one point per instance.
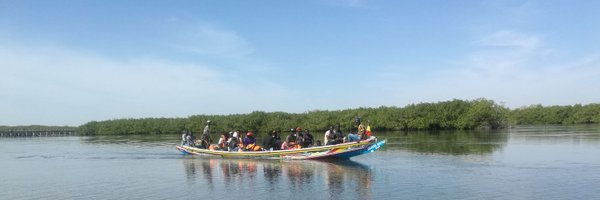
[[38, 132]]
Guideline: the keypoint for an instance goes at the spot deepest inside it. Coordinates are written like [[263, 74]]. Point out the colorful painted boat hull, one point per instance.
[[340, 151]]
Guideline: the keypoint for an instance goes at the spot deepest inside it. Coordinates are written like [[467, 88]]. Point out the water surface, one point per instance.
[[538, 162]]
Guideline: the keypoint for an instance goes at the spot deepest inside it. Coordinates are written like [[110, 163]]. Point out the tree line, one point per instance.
[[446, 115], [570, 114]]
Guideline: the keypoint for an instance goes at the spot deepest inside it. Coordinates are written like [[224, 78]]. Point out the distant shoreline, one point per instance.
[[445, 115]]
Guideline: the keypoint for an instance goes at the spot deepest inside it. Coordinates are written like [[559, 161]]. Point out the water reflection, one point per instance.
[[557, 134], [448, 142], [132, 139], [311, 179], [348, 171]]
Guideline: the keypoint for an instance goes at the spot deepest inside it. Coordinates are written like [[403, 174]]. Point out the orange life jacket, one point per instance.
[[212, 147], [253, 147]]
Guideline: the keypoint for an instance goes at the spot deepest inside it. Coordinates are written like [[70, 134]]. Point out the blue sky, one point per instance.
[[70, 62]]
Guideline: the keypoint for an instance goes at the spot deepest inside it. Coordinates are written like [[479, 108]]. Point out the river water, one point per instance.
[[539, 162]]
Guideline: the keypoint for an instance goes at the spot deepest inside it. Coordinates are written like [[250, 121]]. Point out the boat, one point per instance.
[[338, 151]]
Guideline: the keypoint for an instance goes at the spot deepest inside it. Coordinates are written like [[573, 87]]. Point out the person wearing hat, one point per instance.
[[206, 136], [249, 139], [250, 142]]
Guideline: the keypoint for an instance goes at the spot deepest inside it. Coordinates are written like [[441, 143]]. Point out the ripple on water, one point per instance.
[[420, 166]]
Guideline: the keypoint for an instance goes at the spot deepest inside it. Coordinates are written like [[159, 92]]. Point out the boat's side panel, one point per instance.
[[344, 151], [193, 150], [337, 155], [315, 155], [370, 149]]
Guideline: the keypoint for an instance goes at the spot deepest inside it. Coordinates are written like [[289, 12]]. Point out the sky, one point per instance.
[[69, 62]]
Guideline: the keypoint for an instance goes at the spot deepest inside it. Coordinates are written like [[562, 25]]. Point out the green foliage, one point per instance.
[[447, 115], [135, 126], [455, 114], [538, 114]]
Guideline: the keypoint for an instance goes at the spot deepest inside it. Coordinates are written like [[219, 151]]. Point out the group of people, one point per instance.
[[334, 136], [233, 141], [297, 138], [188, 139]]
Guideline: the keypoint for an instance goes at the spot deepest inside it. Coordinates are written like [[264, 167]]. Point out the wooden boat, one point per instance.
[[339, 151]]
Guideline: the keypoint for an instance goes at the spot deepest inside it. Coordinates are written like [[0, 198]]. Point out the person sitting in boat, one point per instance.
[[233, 141], [360, 129], [249, 139], [327, 135], [299, 136], [277, 138], [222, 144], [368, 130], [290, 141], [184, 135], [250, 143], [190, 139], [336, 136], [351, 138], [307, 139], [205, 138], [269, 141]]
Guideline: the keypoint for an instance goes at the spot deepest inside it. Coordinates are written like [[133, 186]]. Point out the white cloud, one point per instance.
[[506, 66], [510, 39], [520, 73], [56, 85], [207, 39]]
